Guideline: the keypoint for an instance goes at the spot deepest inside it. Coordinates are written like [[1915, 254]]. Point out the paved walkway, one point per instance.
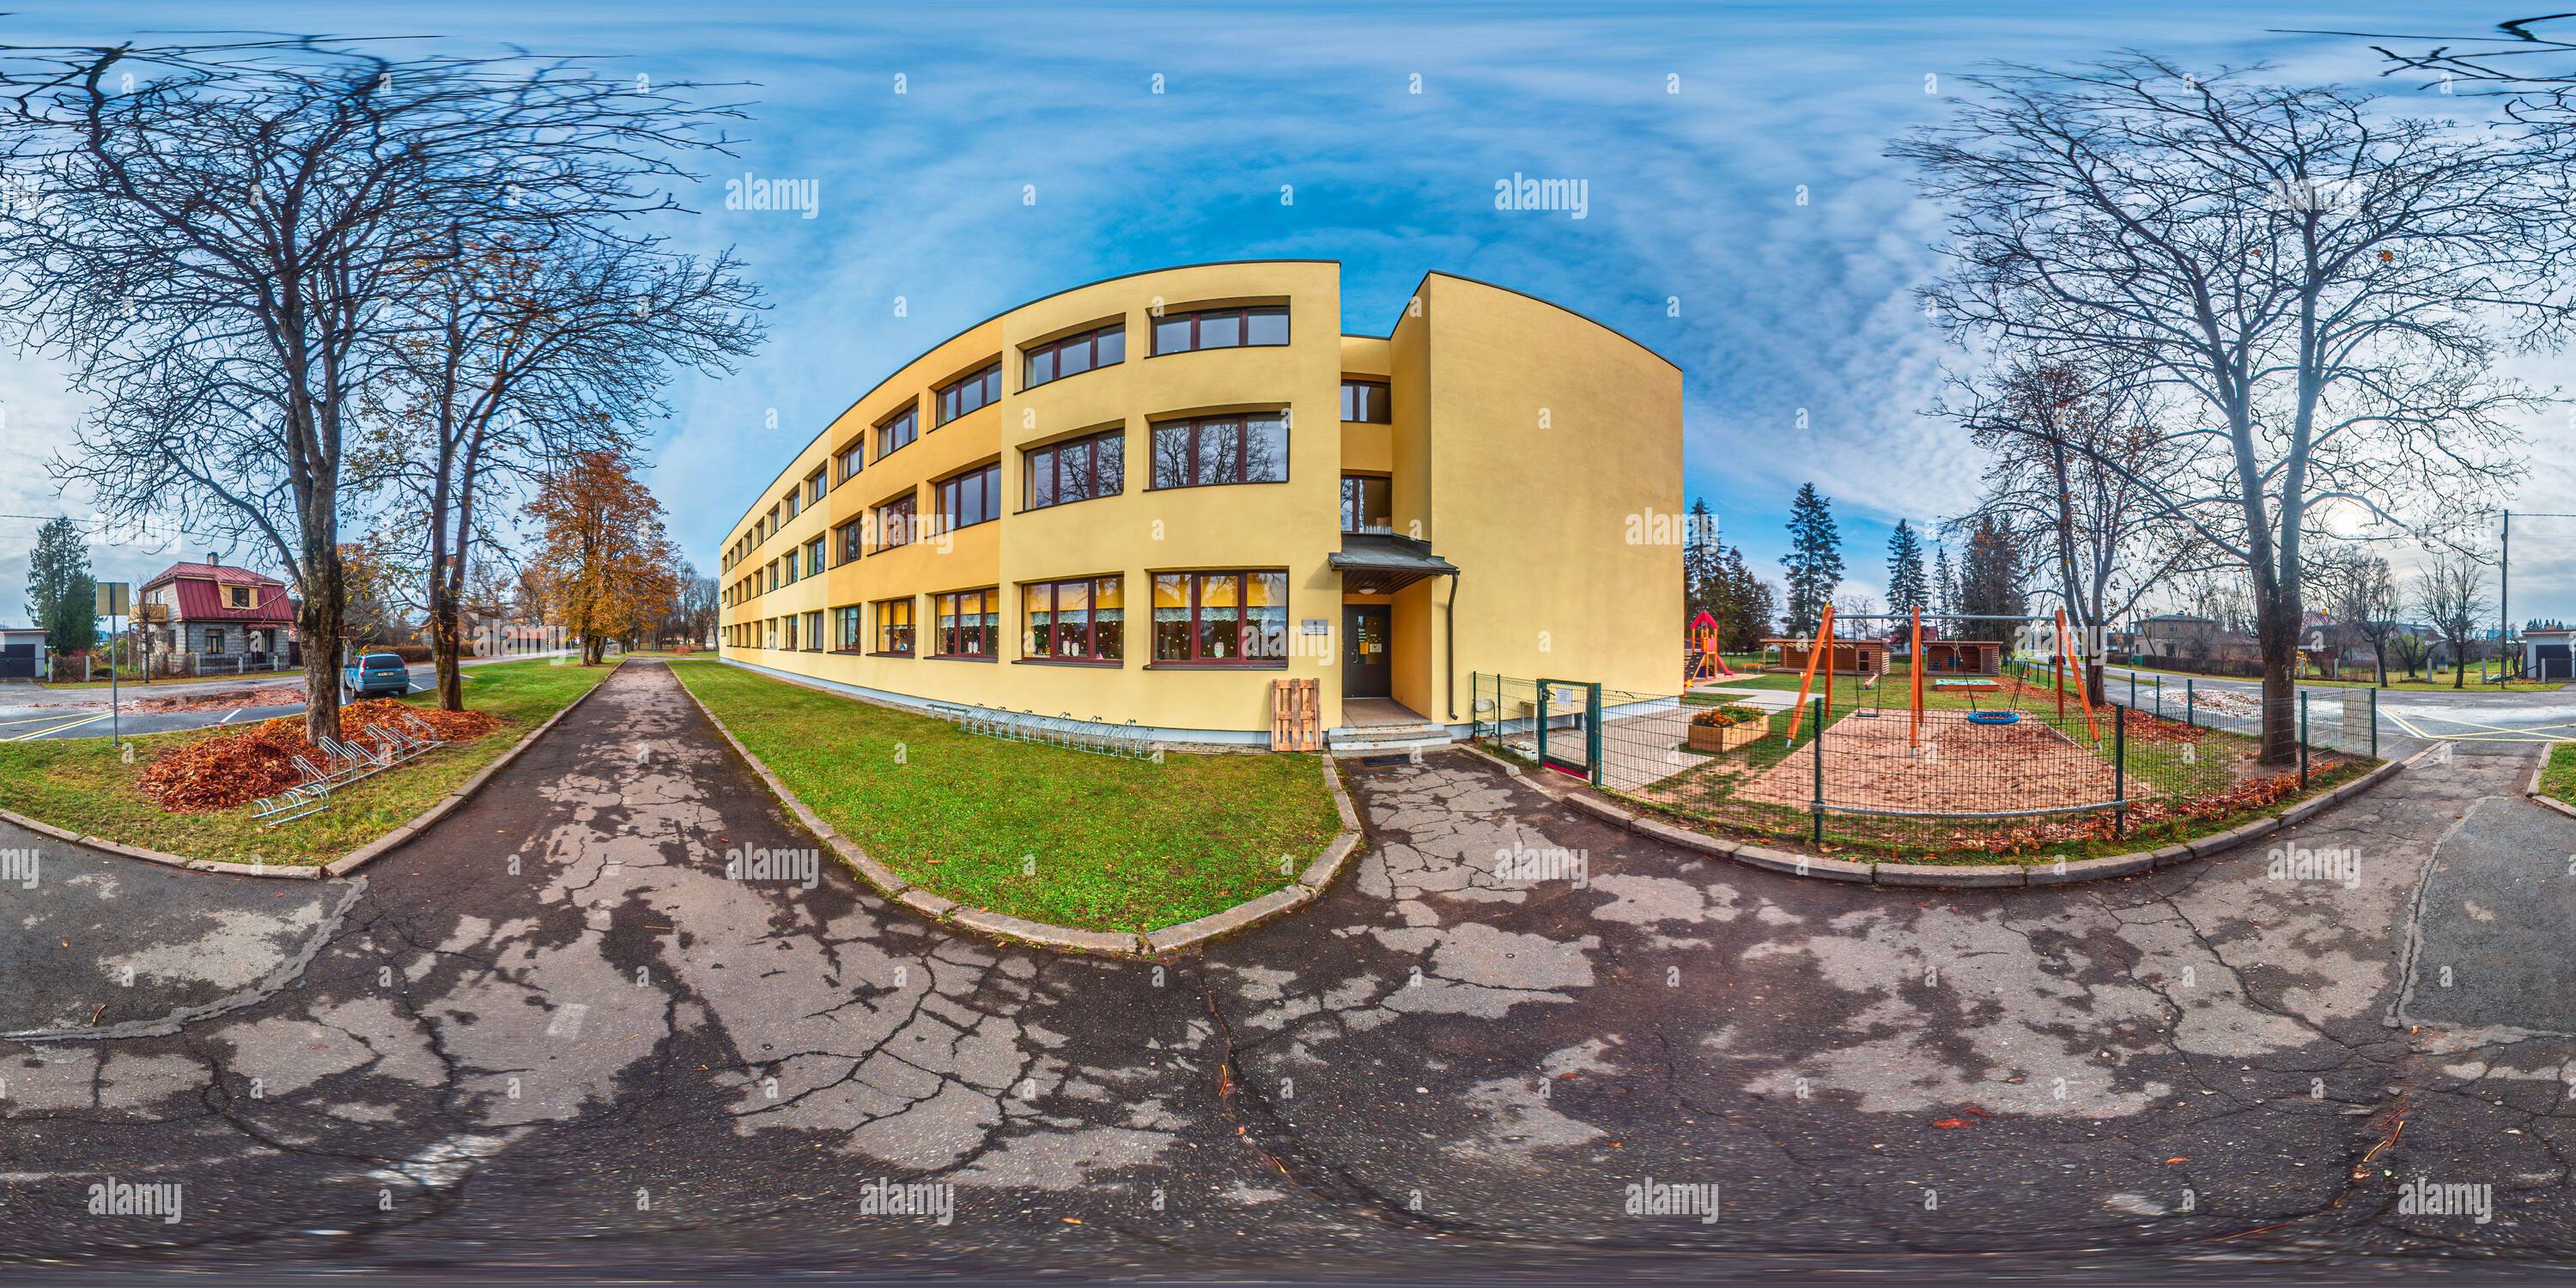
[[553, 1032]]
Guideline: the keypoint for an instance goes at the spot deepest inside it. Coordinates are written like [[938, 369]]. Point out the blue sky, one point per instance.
[[1695, 127]]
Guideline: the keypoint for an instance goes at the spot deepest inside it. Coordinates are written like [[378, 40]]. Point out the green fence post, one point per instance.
[[1592, 731], [2190, 704], [2303, 740], [2133, 688], [2120, 769], [2374, 724], [1819, 746], [1542, 724]]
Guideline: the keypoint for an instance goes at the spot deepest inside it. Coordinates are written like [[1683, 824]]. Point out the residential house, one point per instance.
[[200, 617]]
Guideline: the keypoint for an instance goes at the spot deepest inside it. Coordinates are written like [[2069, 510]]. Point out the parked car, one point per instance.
[[375, 675]]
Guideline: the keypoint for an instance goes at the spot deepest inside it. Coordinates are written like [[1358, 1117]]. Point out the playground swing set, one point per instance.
[[1975, 666]]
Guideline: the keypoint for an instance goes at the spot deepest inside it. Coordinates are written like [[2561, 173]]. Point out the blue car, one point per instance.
[[375, 675]]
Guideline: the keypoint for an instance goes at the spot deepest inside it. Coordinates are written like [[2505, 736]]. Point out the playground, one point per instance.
[[1970, 755]]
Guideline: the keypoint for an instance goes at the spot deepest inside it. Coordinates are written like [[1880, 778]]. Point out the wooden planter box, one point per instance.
[[1728, 738]]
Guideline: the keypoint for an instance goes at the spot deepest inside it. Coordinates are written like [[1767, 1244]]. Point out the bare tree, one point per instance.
[[2310, 278], [2097, 533], [219, 239], [527, 357], [2451, 591], [2361, 592]]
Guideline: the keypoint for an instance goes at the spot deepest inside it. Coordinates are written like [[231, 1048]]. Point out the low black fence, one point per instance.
[[1995, 765]]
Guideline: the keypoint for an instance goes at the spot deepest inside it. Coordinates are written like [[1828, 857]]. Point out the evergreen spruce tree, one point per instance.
[[1814, 561], [1945, 581], [1990, 582], [1907, 588], [62, 598], [1700, 565]]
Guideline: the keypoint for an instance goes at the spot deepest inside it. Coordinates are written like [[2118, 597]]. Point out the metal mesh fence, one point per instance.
[[1989, 765]]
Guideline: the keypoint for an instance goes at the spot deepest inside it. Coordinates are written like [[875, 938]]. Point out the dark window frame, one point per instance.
[[853, 540], [849, 629], [911, 503], [1092, 633], [856, 450], [814, 622], [1053, 352], [1242, 315], [1364, 477], [911, 413], [948, 495], [987, 381], [1195, 580], [886, 642], [1242, 421], [1385, 400], [1053, 454], [945, 641]]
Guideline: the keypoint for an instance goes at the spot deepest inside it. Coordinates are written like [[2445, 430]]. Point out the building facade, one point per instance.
[[198, 615], [1126, 501]]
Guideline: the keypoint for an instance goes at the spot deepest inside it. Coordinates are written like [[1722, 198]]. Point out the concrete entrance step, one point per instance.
[[1359, 740]]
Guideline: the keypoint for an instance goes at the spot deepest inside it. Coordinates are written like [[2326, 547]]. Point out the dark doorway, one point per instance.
[[2552, 660], [1366, 672]]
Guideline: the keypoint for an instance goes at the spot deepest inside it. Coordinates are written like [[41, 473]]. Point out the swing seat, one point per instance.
[[1994, 717]]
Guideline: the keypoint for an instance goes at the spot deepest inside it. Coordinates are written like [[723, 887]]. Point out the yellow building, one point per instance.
[[1124, 502]]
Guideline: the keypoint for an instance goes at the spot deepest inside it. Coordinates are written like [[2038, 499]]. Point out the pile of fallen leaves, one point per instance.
[[238, 768]]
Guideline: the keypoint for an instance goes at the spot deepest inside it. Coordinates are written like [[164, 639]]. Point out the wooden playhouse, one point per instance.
[[1850, 657]]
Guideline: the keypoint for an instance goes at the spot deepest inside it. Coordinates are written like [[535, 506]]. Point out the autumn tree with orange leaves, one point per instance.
[[605, 566]]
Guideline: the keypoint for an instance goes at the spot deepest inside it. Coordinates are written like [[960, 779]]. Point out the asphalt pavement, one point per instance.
[[550, 1036]]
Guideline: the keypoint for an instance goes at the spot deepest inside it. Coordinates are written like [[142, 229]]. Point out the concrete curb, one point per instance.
[[2532, 788], [338, 867], [1963, 876], [946, 912]]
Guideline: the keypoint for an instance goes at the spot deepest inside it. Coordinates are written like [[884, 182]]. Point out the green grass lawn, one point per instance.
[[2559, 778], [1063, 837], [85, 785]]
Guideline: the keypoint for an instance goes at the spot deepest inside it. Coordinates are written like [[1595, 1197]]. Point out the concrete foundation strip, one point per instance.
[[338, 867], [1308, 887], [1942, 875]]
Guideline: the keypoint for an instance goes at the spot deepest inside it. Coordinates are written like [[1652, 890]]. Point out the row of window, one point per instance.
[[1235, 618], [1103, 346]]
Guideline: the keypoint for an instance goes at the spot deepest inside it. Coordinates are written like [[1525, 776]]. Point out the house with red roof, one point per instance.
[[200, 616]]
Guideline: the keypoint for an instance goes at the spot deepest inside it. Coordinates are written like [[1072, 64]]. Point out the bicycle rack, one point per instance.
[[1096, 737], [400, 738]]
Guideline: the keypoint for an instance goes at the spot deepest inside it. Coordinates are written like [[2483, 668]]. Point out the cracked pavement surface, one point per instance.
[[551, 1033]]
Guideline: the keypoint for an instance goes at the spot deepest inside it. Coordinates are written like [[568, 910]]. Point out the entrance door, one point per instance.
[[2553, 661], [1365, 668]]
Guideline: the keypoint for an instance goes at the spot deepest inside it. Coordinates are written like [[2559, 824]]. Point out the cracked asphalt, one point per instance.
[[551, 1036]]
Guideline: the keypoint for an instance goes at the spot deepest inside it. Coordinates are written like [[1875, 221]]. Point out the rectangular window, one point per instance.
[[1075, 354], [846, 632], [1221, 449], [787, 634], [1365, 504], [214, 640], [849, 540], [773, 575], [898, 429], [970, 498], [1221, 618], [814, 487], [814, 557], [970, 392], [1221, 329], [789, 504], [814, 631], [851, 460], [1366, 400], [968, 623], [1084, 620], [894, 626], [787, 568], [896, 521], [1076, 470]]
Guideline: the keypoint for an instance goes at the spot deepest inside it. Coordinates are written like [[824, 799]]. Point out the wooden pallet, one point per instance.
[[1296, 715]]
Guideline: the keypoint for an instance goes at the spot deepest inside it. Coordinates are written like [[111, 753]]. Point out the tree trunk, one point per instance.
[[318, 619], [2276, 633]]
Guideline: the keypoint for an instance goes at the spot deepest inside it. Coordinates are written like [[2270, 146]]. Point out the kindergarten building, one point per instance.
[[1124, 502]]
